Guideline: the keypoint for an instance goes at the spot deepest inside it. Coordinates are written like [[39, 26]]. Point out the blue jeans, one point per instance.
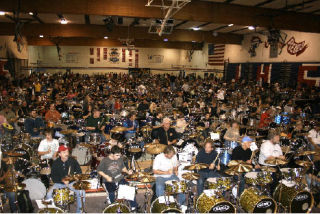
[[160, 187], [77, 192], [112, 187], [12, 199], [129, 135], [204, 175]]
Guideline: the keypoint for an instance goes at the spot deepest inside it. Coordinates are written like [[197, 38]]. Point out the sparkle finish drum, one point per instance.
[[214, 204], [252, 201], [174, 187], [170, 207], [116, 208]]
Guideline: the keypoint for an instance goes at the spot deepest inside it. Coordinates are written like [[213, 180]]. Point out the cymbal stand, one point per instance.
[[147, 195], [82, 203], [280, 193], [313, 169], [191, 197]]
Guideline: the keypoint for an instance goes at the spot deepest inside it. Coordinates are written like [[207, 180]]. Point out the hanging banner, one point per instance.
[[130, 53], [91, 51], [136, 60], [98, 54], [105, 53], [123, 55], [130, 62], [91, 60]]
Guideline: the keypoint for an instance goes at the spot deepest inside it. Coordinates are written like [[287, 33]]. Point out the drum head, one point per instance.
[[51, 210], [172, 210], [302, 202], [223, 207], [116, 207], [266, 205]]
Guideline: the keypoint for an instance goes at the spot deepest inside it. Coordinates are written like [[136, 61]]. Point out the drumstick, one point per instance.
[[214, 162]]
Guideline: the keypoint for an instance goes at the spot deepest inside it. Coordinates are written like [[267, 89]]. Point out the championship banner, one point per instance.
[[123, 55], [98, 54], [105, 53], [130, 62], [136, 60], [91, 51], [130, 53], [91, 60]]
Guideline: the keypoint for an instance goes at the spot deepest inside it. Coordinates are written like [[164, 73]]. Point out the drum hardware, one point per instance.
[[82, 185], [155, 148]]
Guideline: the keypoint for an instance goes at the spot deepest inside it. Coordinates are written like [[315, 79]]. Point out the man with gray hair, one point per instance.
[[165, 134]]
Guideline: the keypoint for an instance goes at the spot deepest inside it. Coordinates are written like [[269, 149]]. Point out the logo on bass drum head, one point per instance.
[[301, 197], [221, 208], [264, 204]]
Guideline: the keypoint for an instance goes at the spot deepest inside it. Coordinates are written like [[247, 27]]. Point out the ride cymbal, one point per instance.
[[155, 148], [118, 129], [196, 166], [242, 168], [190, 176]]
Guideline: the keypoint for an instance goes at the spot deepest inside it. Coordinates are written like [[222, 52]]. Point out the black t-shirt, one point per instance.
[[61, 169], [239, 154], [207, 158], [164, 136], [4, 169]]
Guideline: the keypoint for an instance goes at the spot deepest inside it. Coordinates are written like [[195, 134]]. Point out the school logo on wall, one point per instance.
[[114, 55], [296, 48]]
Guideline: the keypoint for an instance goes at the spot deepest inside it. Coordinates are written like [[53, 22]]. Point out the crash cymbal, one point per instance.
[[196, 166], [230, 172], [268, 169], [234, 163], [304, 163], [118, 129], [13, 154], [190, 176], [155, 148], [241, 168], [147, 179], [7, 126], [200, 128], [81, 176], [146, 129], [306, 153], [138, 175], [276, 161], [82, 185]]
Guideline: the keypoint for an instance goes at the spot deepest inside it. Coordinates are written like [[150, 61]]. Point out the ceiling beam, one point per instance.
[[201, 11], [181, 23], [204, 24], [36, 41], [87, 19], [36, 17], [264, 3], [99, 31], [229, 1], [287, 7]]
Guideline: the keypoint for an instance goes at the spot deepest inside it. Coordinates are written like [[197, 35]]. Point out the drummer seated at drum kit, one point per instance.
[[232, 135], [96, 124], [132, 126], [165, 168], [207, 156], [33, 124], [110, 169], [165, 134], [52, 114], [62, 169]]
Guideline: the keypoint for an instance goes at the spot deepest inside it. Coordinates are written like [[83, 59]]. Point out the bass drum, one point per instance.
[[213, 204], [252, 201], [157, 207], [36, 188], [296, 200], [116, 208], [51, 210]]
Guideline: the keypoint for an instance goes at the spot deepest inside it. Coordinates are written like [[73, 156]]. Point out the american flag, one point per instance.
[[216, 54]]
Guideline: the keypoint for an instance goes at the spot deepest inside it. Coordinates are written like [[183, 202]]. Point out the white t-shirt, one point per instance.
[[269, 149], [45, 145], [164, 164], [315, 136]]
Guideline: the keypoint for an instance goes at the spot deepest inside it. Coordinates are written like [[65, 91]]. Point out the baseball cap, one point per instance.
[[62, 148], [246, 139]]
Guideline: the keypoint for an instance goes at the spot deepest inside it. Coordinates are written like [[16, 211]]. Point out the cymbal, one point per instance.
[[14, 188], [196, 166], [138, 175], [155, 148], [68, 131], [146, 129], [147, 179], [13, 154], [231, 172], [234, 163], [118, 129], [200, 128], [304, 163], [306, 153], [242, 168], [193, 135], [190, 176], [81, 176], [268, 169], [134, 150], [7, 126], [82, 185], [276, 161], [87, 145]]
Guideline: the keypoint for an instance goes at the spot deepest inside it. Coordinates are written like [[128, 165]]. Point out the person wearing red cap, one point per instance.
[[62, 168]]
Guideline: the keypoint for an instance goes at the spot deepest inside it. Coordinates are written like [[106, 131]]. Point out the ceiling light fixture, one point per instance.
[[41, 36], [2, 13], [195, 28], [251, 27], [30, 13], [105, 37], [63, 21], [230, 25]]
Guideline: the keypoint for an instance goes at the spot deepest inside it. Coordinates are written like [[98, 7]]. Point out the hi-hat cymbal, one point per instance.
[[81, 176], [82, 185], [230, 172], [13, 154], [196, 166], [268, 169], [146, 129], [118, 129], [190, 176], [147, 179], [276, 161], [155, 148], [306, 153], [241, 168], [304, 163], [7, 126]]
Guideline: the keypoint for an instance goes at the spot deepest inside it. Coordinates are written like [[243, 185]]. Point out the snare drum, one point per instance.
[[297, 200], [94, 138], [166, 207], [252, 201], [174, 187], [251, 178], [117, 208], [221, 183], [213, 204], [62, 197], [291, 174]]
